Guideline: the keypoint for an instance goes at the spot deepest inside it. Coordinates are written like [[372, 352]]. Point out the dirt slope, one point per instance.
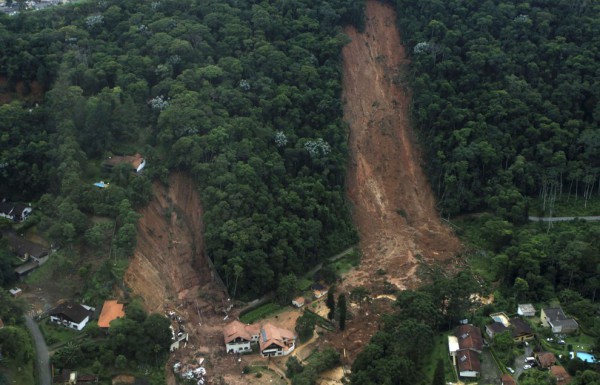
[[394, 206], [169, 265]]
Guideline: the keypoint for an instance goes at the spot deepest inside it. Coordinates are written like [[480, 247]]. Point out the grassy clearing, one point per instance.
[[261, 312], [304, 284], [440, 352]]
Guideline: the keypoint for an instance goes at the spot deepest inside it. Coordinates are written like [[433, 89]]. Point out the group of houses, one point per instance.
[[466, 343], [271, 340], [76, 316]]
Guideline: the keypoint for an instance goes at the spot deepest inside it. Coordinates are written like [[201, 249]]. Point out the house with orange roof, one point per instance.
[[239, 337], [560, 374], [111, 310], [275, 341]]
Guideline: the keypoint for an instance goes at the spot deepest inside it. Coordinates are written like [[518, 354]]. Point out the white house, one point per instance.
[[468, 363], [275, 341], [298, 302], [555, 318], [71, 315], [239, 337], [526, 310]]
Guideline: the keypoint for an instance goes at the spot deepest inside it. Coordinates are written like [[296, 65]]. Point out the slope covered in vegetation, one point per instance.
[[507, 99], [244, 96]]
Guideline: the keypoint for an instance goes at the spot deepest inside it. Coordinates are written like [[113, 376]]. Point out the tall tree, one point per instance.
[[341, 306]]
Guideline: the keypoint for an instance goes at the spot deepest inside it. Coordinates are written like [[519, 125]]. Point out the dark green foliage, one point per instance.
[[342, 311], [439, 377], [330, 302], [293, 367], [129, 340], [319, 362], [397, 354], [16, 344], [505, 100], [305, 326], [244, 96], [287, 289]]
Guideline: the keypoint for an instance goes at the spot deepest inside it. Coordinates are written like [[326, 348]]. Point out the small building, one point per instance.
[[469, 337], [240, 337], [526, 310], [15, 292], [111, 310], [26, 268], [507, 379], [545, 359], [65, 377], [555, 318], [275, 341], [520, 330], [25, 249], [453, 345], [16, 212], [318, 290], [71, 315], [468, 363], [136, 161], [298, 302], [560, 374]]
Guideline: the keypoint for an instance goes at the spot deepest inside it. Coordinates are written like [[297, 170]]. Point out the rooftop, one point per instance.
[[71, 311], [111, 310]]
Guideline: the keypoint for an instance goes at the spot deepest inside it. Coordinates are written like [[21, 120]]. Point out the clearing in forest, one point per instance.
[[393, 204]]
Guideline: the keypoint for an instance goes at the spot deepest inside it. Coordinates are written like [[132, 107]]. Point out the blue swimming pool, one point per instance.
[[583, 356]]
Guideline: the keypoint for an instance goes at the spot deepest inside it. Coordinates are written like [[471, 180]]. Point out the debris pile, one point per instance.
[[191, 371]]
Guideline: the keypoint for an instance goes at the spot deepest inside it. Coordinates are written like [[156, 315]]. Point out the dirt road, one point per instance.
[[41, 350], [394, 206]]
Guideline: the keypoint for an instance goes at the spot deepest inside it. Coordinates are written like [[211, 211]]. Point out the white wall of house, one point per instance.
[[69, 324], [469, 373], [238, 347]]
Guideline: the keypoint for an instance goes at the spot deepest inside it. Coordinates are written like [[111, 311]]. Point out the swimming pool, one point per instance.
[[583, 356]]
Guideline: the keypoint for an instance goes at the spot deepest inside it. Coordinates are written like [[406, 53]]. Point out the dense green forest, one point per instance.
[[506, 97], [242, 95]]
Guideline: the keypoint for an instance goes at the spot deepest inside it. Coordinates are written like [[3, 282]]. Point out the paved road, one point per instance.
[[562, 219], [520, 361], [42, 357]]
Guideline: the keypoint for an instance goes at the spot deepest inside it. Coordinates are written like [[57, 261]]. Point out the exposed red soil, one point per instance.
[[393, 204], [168, 264]]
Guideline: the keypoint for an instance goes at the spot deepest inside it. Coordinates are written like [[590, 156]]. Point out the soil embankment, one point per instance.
[[393, 204], [169, 265]]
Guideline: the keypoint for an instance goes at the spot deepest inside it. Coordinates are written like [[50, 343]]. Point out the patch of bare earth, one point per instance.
[[170, 272], [393, 204]]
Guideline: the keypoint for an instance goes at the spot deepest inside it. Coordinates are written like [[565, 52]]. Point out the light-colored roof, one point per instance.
[[236, 329], [452, 344], [271, 334], [526, 308], [501, 317], [110, 312], [299, 300]]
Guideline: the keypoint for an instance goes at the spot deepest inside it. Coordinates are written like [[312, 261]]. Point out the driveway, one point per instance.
[[41, 350], [490, 374], [520, 361]]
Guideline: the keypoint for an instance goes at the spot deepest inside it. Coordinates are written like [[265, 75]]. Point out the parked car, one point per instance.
[[525, 367], [560, 342], [511, 370]]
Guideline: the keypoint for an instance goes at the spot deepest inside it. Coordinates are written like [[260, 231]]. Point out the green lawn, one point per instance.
[[56, 334], [260, 312], [440, 351]]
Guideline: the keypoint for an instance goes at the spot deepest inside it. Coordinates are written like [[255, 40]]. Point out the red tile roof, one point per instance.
[[469, 337], [468, 361]]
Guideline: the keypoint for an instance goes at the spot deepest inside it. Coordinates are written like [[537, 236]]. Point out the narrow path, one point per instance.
[[42, 361], [563, 219]]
